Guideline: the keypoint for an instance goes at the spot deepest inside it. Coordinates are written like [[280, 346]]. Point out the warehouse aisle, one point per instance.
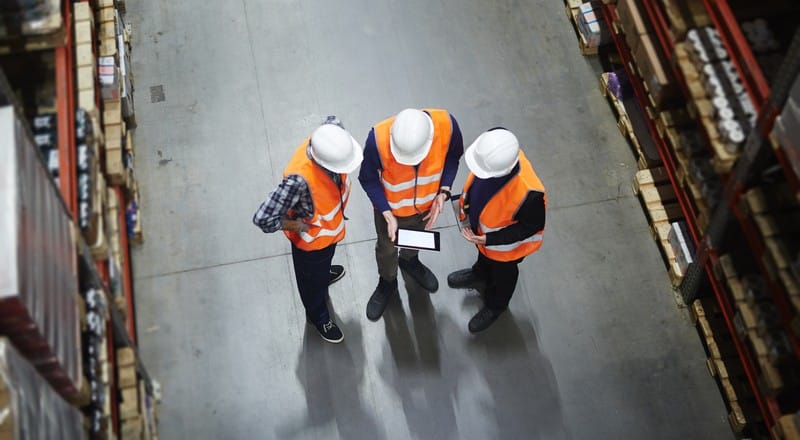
[[594, 345]]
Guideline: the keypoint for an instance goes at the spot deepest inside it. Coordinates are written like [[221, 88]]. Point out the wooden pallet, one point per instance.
[[572, 9], [660, 205], [724, 365]]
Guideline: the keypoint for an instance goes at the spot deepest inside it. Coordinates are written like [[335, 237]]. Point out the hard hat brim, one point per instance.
[[344, 167], [476, 166], [411, 160]]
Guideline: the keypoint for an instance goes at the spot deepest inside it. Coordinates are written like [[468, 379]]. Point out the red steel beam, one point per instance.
[[130, 322], [65, 114]]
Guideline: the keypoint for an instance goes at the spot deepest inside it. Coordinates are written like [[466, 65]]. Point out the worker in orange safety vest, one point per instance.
[[410, 162], [504, 202], [308, 205]]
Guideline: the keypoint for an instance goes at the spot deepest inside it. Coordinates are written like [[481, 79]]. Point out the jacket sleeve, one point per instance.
[[454, 153], [269, 216], [369, 176], [530, 220]]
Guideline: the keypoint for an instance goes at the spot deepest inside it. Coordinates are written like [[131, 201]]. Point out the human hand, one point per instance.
[[294, 226], [472, 238], [391, 224], [436, 209]]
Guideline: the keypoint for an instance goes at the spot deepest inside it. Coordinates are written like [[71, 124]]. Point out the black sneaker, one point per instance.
[[329, 332], [421, 274], [464, 279], [483, 319], [337, 272], [380, 298]]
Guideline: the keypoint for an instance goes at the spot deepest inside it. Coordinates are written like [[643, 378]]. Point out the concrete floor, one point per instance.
[[594, 346]]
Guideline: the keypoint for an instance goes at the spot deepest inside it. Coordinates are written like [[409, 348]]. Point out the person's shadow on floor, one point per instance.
[[330, 375], [522, 383], [412, 365]]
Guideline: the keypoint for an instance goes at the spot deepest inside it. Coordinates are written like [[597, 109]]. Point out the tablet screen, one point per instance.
[[416, 239]]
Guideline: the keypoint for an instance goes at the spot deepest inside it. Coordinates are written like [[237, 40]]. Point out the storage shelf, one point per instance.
[[770, 410], [667, 158], [779, 295], [707, 257], [65, 105]]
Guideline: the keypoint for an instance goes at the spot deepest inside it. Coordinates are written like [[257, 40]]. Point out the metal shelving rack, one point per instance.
[[123, 331], [768, 102]]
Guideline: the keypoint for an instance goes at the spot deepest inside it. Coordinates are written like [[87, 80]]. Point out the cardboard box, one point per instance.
[[83, 32], [657, 79], [633, 21], [106, 14], [127, 375], [112, 112], [86, 78], [681, 244], [683, 15], [592, 26], [125, 357], [82, 12], [84, 56]]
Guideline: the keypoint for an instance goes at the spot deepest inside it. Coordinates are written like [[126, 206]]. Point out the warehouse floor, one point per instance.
[[594, 345]]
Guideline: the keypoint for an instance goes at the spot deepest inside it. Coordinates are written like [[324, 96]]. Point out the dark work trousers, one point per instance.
[[385, 252], [501, 280], [312, 271]]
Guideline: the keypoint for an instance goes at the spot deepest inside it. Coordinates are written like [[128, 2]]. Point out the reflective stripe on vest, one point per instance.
[[410, 190], [421, 180], [326, 225], [510, 246], [410, 202]]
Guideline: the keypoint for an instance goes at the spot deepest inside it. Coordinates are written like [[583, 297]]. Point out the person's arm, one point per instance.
[[271, 215], [454, 153], [530, 220], [369, 176]]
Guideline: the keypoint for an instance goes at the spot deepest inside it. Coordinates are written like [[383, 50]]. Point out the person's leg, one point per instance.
[[385, 252], [311, 270], [504, 276], [472, 277], [409, 258], [386, 258], [500, 285]]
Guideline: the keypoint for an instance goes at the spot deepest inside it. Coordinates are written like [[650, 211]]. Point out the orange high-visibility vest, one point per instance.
[[500, 210], [327, 223], [408, 190]]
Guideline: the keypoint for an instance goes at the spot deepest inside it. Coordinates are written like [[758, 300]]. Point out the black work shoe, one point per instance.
[[329, 332], [421, 274], [337, 272], [380, 298], [483, 319], [464, 279]]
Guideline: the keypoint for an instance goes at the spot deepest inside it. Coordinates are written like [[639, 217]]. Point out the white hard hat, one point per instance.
[[411, 136], [334, 149], [493, 154]]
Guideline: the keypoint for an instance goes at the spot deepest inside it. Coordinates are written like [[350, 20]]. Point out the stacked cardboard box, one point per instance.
[[128, 390], [650, 64], [592, 26], [85, 60]]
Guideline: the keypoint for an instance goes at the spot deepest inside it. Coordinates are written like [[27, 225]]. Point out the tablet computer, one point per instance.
[[413, 239]]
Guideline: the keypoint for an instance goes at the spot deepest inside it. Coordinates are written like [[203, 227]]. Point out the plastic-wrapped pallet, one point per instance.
[[30, 408], [38, 267]]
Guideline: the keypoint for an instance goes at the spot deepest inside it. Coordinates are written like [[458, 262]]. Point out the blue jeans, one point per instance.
[[312, 272]]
